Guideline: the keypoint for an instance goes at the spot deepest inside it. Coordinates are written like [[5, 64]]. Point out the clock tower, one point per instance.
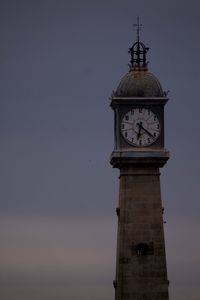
[[139, 153]]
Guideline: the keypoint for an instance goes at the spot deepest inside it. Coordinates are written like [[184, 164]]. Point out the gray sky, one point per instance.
[[59, 62]]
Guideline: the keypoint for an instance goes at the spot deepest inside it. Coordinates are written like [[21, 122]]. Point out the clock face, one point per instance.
[[140, 127]]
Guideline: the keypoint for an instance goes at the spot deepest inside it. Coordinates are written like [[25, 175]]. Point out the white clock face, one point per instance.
[[140, 127]]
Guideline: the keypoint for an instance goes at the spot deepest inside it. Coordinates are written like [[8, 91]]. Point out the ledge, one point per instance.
[[145, 158]]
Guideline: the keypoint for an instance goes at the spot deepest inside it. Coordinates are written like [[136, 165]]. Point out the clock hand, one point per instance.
[[149, 133], [139, 132]]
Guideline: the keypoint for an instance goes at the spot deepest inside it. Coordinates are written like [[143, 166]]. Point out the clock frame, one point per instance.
[[140, 127], [122, 106]]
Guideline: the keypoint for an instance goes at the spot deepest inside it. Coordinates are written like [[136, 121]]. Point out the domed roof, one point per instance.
[[139, 83]]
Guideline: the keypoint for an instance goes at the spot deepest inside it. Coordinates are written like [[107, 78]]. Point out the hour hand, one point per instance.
[[139, 132]]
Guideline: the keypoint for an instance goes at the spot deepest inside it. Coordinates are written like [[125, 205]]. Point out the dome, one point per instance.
[[139, 83]]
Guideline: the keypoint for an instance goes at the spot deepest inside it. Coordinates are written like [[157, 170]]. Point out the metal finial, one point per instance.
[[138, 51], [139, 28]]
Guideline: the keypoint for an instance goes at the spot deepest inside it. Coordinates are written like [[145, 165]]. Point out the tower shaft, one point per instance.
[[141, 272]]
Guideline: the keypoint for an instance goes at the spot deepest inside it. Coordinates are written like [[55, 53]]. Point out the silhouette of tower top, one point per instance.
[[138, 51]]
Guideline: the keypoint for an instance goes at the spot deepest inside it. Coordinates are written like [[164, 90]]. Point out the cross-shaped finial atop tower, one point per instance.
[[138, 51], [138, 25]]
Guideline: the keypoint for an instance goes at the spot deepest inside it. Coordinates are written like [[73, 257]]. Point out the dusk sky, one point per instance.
[[59, 62]]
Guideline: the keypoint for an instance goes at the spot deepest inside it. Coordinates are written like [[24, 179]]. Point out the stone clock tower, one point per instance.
[[139, 153]]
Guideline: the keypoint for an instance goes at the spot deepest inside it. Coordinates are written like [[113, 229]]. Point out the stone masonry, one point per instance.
[[141, 272]]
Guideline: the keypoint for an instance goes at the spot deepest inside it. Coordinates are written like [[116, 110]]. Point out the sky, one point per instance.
[[59, 63]]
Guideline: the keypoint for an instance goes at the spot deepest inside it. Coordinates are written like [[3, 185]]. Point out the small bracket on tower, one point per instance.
[[115, 283], [118, 211]]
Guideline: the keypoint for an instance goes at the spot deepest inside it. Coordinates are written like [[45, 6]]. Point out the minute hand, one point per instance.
[[149, 133]]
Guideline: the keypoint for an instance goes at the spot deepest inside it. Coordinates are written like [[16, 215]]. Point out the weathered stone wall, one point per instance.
[[141, 263]]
